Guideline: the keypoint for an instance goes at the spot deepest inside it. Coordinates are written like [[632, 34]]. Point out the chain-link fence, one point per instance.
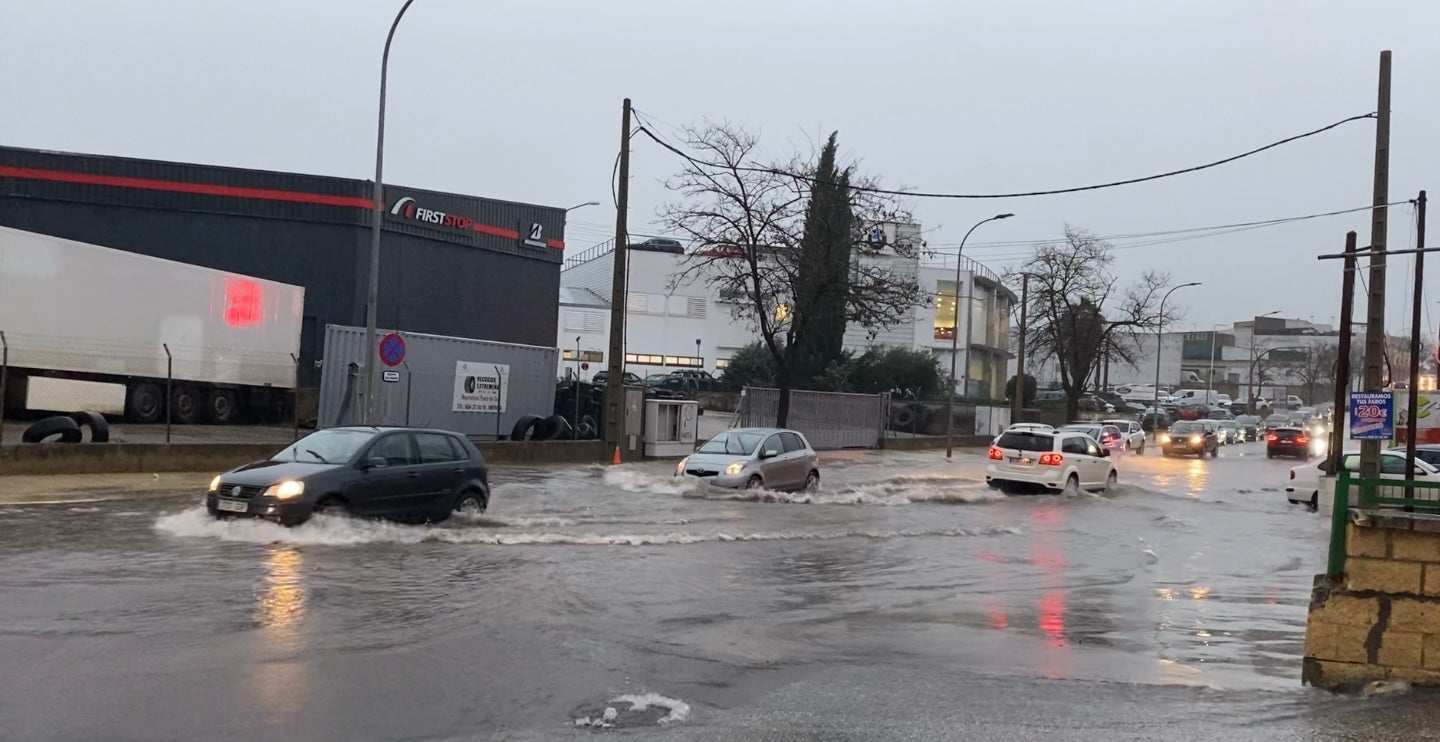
[[70, 390], [829, 419]]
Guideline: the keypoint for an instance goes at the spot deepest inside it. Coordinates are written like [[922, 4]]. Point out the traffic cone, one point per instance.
[[615, 460]]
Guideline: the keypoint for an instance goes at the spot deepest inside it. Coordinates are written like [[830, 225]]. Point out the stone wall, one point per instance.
[[1381, 620]]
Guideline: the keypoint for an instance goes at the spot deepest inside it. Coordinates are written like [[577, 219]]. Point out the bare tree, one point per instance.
[[747, 222], [1077, 315]]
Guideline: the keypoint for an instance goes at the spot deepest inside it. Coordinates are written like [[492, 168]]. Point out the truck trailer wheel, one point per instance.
[[99, 429], [145, 403], [185, 405], [48, 427], [220, 407]]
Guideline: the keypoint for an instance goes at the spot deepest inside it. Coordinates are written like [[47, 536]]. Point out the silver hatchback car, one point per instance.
[[755, 458]]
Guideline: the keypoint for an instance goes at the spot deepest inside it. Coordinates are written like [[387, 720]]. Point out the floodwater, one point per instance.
[[905, 601]]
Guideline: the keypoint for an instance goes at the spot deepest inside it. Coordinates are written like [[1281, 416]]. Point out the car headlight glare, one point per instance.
[[215, 483], [286, 490], [1194, 439], [735, 468], [680, 467], [1164, 438]]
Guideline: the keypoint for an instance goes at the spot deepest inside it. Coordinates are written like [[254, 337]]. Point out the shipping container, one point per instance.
[[125, 324], [475, 387]]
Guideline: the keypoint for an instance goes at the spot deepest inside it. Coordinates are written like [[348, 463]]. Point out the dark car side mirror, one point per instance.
[[374, 462]]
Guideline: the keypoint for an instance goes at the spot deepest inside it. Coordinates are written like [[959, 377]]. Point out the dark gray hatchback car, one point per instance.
[[406, 474]]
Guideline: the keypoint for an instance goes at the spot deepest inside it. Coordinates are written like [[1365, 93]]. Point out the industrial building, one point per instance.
[[450, 264]]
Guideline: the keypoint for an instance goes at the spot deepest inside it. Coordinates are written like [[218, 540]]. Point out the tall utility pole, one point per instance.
[[955, 337], [1375, 306], [1017, 399], [1342, 362], [615, 378], [1412, 395], [377, 217]]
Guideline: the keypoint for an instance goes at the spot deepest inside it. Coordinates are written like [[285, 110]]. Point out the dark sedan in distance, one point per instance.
[[1287, 441], [406, 474]]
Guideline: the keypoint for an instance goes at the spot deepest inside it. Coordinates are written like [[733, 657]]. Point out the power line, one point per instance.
[[921, 194]]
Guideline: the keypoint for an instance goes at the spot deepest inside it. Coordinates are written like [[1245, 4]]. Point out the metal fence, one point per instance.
[[829, 419], [1396, 494], [164, 384], [438, 382]]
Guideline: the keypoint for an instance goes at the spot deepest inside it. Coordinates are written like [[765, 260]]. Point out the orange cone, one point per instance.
[[615, 460]]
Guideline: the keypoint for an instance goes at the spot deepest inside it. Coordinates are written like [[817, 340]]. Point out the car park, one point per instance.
[[1131, 434], [1288, 441], [406, 474], [1303, 487], [1190, 438], [1062, 461], [755, 458]]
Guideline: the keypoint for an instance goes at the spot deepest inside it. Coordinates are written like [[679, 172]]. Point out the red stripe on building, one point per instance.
[[508, 234], [557, 244], [172, 186]]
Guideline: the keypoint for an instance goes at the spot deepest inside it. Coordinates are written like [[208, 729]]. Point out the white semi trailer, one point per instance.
[[87, 327]]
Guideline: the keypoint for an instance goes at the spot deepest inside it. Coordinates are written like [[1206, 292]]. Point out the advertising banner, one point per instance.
[[1372, 416], [480, 386]]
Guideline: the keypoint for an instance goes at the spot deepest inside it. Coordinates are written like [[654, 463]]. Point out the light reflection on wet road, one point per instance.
[[145, 619]]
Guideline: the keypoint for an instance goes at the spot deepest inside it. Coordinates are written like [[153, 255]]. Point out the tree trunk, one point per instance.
[[1072, 407]]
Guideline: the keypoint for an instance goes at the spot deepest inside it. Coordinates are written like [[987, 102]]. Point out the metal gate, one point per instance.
[[829, 419]]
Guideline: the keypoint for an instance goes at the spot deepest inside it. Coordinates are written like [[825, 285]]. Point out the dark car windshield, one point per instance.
[[333, 446], [1026, 441], [1187, 427], [733, 443]]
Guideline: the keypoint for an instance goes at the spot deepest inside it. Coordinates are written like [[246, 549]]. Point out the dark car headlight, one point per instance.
[[289, 489]]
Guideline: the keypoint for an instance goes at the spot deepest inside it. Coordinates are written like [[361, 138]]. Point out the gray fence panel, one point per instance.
[[425, 392], [829, 419]]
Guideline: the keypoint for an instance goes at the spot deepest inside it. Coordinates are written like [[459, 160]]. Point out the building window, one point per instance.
[[645, 359], [695, 307], [586, 356], [945, 310], [722, 363], [579, 321], [685, 361]]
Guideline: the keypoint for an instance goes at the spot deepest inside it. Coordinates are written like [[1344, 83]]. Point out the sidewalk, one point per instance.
[[59, 488]]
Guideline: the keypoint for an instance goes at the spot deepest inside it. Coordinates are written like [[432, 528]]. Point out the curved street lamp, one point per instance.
[[578, 206], [955, 340], [372, 296], [1159, 348]]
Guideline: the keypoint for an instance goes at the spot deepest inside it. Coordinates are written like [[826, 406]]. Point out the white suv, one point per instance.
[[1056, 462]]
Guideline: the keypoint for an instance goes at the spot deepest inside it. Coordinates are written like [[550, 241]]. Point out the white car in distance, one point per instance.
[[1131, 433], [1058, 461], [1303, 487]]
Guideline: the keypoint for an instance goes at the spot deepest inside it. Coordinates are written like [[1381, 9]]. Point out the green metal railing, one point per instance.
[[1410, 496]]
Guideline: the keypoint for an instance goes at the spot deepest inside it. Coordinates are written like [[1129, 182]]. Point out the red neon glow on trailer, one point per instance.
[[244, 302]]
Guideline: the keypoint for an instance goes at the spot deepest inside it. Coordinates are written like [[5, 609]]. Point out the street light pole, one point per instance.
[[955, 340], [1210, 376], [577, 206], [1159, 348], [372, 296]]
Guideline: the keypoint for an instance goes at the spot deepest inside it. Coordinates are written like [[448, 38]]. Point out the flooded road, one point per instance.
[[904, 601]]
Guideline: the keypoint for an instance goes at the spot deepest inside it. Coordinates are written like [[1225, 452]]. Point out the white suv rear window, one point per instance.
[[1026, 442]]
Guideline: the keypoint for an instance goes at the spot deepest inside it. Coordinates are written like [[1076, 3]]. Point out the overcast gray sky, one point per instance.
[[521, 101]]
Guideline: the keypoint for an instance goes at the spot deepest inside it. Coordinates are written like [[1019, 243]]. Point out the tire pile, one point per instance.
[[553, 428], [71, 428], [910, 417]]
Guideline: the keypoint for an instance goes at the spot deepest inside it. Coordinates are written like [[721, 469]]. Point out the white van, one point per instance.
[[1196, 398]]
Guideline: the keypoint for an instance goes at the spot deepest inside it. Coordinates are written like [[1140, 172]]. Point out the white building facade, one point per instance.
[[673, 324]]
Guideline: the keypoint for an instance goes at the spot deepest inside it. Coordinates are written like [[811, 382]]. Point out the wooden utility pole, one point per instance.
[[1375, 302], [615, 377], [1017, 400], [1342, 363], [1412, 395]]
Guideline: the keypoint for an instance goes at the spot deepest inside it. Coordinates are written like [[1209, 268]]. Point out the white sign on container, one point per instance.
[[480, 386]]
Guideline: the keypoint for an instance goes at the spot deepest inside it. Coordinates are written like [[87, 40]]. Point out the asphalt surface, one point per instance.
[[906, 601]]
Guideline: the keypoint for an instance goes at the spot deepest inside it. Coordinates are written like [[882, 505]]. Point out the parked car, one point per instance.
[[1150, 418], [692, 380], [1230, 432], [1277, 420], [1131, 434], [1190, 437], [1288, 441], [1427, 452], [409, 474], [1303, 487], [1062, 461], [755, 458], [602, 378], [1223, 400], [1250, 425], [1219, 413], [1108, 436]]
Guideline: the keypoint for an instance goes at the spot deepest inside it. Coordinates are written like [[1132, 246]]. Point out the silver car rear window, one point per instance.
[[1027, 441]]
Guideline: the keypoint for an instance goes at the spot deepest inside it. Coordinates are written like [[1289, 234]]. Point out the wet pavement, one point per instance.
[[905, 601]]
